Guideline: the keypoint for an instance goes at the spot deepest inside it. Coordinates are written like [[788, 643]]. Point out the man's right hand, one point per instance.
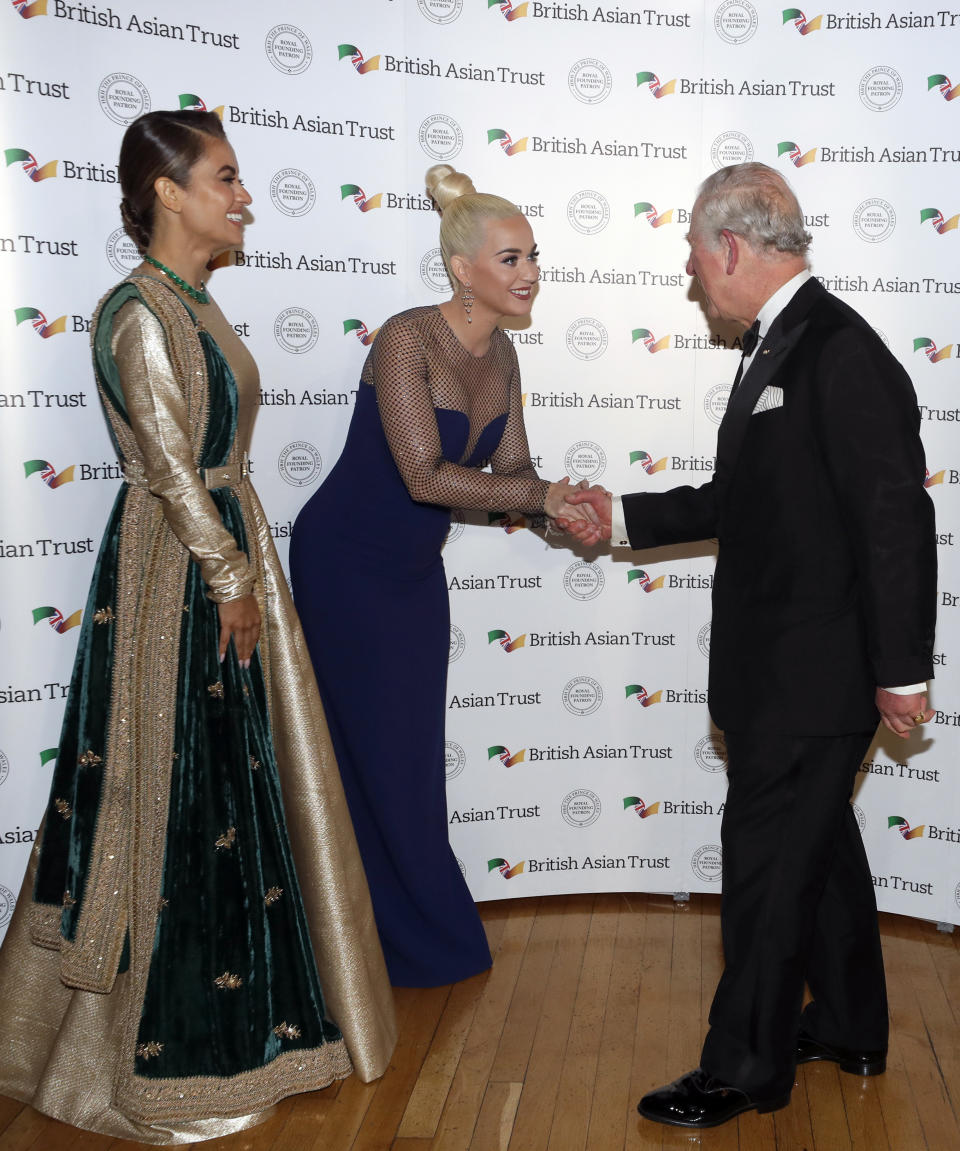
[[587, 533]]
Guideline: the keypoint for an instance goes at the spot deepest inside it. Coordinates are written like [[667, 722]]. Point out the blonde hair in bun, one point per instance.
[[464, 212]]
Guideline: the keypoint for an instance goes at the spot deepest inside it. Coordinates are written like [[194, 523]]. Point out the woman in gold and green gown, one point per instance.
[[194, 939]]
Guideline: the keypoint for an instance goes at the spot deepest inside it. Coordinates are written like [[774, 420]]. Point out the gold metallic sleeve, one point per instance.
[[157, 413]]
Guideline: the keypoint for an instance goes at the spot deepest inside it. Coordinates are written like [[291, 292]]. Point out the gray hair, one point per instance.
[[755, 202]]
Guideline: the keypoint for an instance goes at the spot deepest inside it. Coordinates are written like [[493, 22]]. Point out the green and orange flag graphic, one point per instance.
[[904, 827], [503, 754], [506, 143], [798, 158], [931, 351], [55, 618], [29, 162], [659, 90], [48, 473], [356, 58], [935, 216], [645, 581], [639, 806], [39, 321], [650, 341]]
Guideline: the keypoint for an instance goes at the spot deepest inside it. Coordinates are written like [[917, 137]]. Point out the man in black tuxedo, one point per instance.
[[824, 603]]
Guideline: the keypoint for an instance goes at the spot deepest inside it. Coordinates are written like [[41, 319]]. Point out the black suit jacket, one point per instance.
[[825, 584]]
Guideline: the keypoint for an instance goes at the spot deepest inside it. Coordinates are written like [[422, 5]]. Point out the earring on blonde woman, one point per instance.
[[466, 297]]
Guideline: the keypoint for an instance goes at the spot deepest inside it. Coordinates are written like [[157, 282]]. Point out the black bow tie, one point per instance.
[[750, 338]]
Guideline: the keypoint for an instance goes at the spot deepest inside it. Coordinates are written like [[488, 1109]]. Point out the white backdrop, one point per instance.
[[580, 752]]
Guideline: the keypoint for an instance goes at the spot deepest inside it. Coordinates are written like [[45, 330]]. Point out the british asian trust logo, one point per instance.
[[641, 695], [360, 198], [507, 9], [653, 83], [804, 26], [648, 463], [498, 635], [934, 354], [650, 341], [359, 328], [655, 220], [503, 138], [937, 221], [505, 869], [942, 84], [502, 753], [643, 580], [797, 158], [48, 473], [56, 619], [643, 810], [41, 326], [30, 164], [355, 56], [30, 8], [904, 827]]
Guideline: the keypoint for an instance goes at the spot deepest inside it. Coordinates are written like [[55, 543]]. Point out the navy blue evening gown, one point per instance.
[[370, 589]]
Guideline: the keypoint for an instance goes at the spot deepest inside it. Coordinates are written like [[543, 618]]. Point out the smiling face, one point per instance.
[[211, 205], [503, 270]]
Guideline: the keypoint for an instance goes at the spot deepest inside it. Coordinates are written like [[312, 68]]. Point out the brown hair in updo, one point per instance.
[[156, 145], [463, 212]]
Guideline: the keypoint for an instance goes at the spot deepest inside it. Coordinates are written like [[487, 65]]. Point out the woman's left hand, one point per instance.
[[239, 618]]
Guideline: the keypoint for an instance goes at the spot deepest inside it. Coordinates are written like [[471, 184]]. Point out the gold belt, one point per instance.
[[228, 476]]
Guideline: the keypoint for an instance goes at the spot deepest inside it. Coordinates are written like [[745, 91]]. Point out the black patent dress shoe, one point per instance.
[[698, 1100], [810, 1050]]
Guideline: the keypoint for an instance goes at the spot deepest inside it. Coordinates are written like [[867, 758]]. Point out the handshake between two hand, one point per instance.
[[583, 511]]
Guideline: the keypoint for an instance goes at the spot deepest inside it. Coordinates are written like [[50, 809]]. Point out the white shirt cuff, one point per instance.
[[910, 689], [618, 524]]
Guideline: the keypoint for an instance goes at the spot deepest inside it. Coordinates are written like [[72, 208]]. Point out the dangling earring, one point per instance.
[[466, 298]]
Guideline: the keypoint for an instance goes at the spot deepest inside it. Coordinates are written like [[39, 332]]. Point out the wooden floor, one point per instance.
[[593, 1000]]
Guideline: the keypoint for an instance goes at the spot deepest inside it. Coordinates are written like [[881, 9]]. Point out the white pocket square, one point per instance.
[[771, 397]]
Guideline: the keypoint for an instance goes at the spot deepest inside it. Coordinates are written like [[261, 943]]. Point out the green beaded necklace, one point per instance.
[[200, 296]]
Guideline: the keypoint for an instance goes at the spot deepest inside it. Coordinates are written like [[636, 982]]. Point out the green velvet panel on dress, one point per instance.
[[70, 820], [71, 816]]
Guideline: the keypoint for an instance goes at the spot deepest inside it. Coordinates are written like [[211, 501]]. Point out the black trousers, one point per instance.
[[798, 906]]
